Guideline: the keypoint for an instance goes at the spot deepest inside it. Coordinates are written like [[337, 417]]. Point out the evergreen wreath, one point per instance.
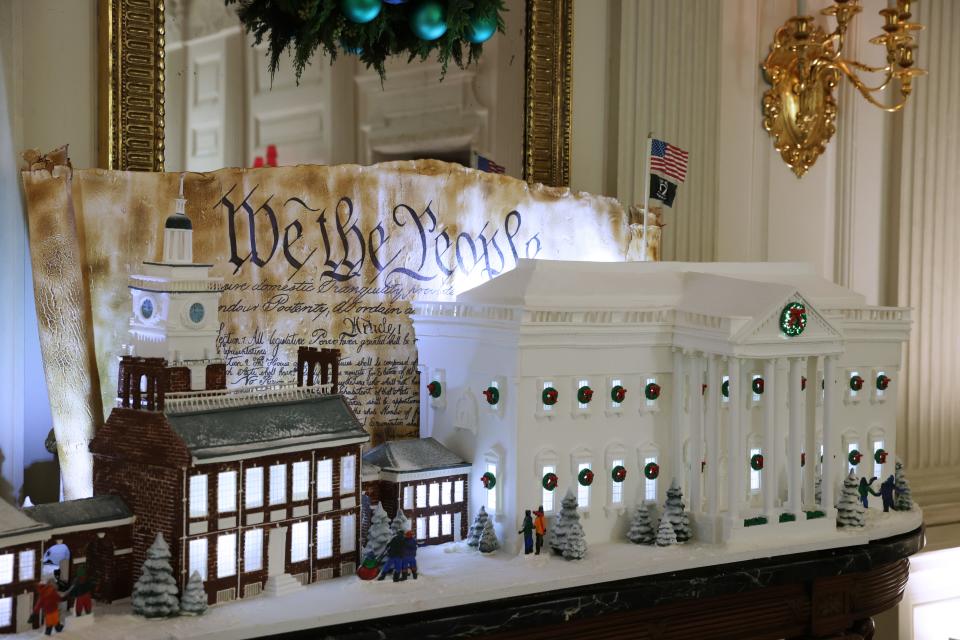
[[305, 26]]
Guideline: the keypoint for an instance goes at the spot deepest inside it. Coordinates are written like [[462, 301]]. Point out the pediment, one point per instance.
[[766, 328]]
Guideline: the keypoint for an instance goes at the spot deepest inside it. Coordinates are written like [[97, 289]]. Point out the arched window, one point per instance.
[[648, 453], [581, 459], [546, 462], [851, 441], [877, 440], [615, 456], [493, 463]]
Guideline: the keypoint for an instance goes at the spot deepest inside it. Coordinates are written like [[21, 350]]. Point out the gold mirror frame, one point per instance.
[[131, 108]]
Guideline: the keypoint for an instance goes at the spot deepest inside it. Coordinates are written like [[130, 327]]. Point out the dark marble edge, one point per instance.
[[550, 607]]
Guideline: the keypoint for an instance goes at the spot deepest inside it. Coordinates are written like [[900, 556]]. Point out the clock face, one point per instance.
[[146, 308], [196, 313]]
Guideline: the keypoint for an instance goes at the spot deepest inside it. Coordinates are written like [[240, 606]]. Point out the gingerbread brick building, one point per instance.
[[426, 480], [93, 532], [255, 488]]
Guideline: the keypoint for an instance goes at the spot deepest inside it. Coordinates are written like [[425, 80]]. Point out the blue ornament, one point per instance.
[[428, 20], [360, 11], [481, 29], [352, 50]]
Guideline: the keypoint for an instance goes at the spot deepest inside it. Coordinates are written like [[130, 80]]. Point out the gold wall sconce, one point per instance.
[[806, 64]]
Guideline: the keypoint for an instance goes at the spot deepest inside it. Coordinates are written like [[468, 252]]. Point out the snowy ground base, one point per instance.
[[441, 583]]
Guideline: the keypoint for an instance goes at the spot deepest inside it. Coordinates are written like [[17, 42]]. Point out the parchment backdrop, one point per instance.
[[310, 255]]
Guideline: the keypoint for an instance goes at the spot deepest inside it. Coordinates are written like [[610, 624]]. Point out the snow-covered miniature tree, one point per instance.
[[399, 524], [487, 541], [379, 533], [476, 529], [673, 510], [818, 491], [574, 543], [666, 535], [561, 524], [194, 600], [641, 527], [155, 593], [850, 509], [904, 501]]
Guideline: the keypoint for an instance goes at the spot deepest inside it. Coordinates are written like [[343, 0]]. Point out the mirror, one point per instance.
[[191, 93]]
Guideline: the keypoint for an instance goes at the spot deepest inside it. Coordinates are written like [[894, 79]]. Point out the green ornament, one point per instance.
[[854, 457], [725, 388], [481, 28], [756, 462], [360, 11], [428, 20], [651, 391], [435, 389], [492, 394], [619, 473]]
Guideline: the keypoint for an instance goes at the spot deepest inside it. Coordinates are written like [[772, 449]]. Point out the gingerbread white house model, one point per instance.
[[756, 387]]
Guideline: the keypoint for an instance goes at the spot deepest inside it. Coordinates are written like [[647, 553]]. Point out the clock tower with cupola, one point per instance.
[[175, 316]]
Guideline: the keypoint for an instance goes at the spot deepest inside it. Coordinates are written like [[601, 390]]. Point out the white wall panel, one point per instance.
[[669, 85]]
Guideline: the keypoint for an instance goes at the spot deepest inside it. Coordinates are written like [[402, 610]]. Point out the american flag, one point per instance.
[[486, 164], [668, 160]]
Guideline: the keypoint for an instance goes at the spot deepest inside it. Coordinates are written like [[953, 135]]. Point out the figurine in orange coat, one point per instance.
[[540, 526], [48, 600]]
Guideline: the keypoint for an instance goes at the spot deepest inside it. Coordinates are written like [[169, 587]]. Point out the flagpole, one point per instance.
[[646, 194]]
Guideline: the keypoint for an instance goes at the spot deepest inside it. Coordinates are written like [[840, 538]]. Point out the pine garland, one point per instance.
[[306, 26]]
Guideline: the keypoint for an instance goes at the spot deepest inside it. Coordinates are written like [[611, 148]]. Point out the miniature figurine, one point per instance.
[[527, 531], [865, 489], [540, 525], [904, 500], [394, 563], [666, 534], [48, 601], [886, 494], [850, 510], [641, 528], [673, 510], [83, 592], [409, 556], [63, 587]]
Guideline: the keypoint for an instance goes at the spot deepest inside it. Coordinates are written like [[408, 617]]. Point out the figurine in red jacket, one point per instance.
[[48, 600]]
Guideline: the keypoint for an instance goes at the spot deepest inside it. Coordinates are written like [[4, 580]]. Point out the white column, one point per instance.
[[795, 439], [677, 391], [713, 435], [735, 457], [696, 432], [769, 474], [829, 440], [810, 434]]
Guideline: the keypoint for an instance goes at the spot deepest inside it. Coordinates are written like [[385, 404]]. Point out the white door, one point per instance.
[[277, 551], [24, 609], [457, 523]]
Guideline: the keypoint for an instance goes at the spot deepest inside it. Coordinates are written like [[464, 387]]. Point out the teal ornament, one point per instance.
[[428, 20], [350, 49], [360, 11], [481, 28]]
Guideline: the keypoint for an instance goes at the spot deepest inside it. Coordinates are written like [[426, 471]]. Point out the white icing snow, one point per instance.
[[442, 584]]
